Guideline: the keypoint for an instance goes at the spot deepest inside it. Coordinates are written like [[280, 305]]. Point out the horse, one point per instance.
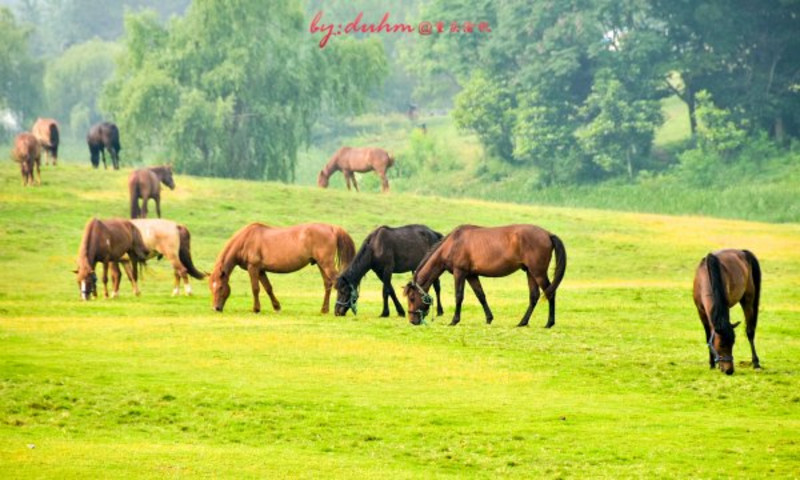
[[470, 251], [102, 136], [386, 251], [349, 160], [46, 132], [171, 240], [27, 153], [260, 248], [723, 279], [108, 242], [146, 183]]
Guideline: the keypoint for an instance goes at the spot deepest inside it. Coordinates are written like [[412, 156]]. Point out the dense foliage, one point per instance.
[[20, 92]]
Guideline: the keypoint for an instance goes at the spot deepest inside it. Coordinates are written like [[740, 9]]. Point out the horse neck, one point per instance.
[[431, 270], [160, 172], [332, 166], [87, 254], [360, 265]]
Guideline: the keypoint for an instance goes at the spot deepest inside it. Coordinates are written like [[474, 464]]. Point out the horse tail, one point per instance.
[[391, 160], [54, 140], [115, 137], [755, 271], [561, 266], [184, 253], [133, 188], [345, 247], [719, 312]]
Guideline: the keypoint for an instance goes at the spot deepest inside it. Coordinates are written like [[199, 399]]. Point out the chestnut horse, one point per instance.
[[27, 153], [108, 241], [723, 279], [145, 183], [259, 249], [386, 251], [470, 251], [102, 136], [46, 132], [349, 160], [171, 240]]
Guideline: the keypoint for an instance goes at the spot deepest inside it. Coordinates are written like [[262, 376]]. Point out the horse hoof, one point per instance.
[[550, 325], [520, 324]]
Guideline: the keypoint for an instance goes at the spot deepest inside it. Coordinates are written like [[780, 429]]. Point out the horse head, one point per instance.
[[322, 180], [721, 346], [167, 179], [419, 302], [87, 283], [346, 297], [219, 284]]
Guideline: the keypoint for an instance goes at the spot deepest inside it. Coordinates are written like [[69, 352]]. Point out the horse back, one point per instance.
[[26, 147]]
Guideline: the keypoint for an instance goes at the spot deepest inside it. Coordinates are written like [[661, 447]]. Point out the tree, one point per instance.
[[20, 72]]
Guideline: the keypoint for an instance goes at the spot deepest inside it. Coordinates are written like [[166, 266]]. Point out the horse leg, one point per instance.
[[346, 174], [105, 279], [475, 283], [38, 172], [701, 312], [176, 289], [751, 320], [328, 273], [437, 287], [459, 278], [384, 181], [105, 166], [133, 276], [145, 199], [388, 289], [157, 198], [384, 295], [115, 158], [276, 305], [116, 276], [353, 177], [253, 271], [544, 284], [533, 298]]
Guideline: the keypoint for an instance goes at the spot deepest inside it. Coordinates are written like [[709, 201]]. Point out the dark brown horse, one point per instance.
[[386, 251], [46, 132], [27, 153], [102, 136], [145, 183], [259, 249], [350, 160], [470, 251], [723, 279], [109, 242]]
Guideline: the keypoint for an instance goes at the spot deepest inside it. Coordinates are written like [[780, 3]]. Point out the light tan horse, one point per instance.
[[27, 153], [259, 249], [46, 132], [167, 238], [350, 160]]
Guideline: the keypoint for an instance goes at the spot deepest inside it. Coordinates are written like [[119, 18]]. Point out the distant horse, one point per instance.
[[102, 136], [27, 153], [46, 132], [145, 184], [386, 251], [259, 249], [723, 279], [167, 238], [108, 241], [470, 251], [350, 160]]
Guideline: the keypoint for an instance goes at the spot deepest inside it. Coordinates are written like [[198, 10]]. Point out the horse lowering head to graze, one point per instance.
[[259, 249], [723, 279], [173, 241], [386, 251], [102, 136], [469, 252], [108, 242], [27, 153], [46, 132], [350, 160], [145, 183]]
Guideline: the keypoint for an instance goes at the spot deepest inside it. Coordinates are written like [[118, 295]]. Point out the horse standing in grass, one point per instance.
[[723, 279], [350, 160], [171, 240], [469, 251], [145, 183], [46, 132], [27, 153], [102, 136], [386, 251], [259, 249], [109, 242]]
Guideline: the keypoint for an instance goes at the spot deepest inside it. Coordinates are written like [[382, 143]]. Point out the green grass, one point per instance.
[[157, 386]]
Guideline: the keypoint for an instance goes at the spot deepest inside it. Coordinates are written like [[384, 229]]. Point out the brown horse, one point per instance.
[[102, 136], [27, 153], [46, 132], [108, 241], [470, 251], [723, 279], [259, 249], [145, 183], [349, 160], [171, 240]]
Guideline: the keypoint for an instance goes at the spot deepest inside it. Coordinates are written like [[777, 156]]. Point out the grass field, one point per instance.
[[156, 386]]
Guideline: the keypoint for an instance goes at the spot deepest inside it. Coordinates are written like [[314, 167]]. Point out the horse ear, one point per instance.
[[75, 272], [735, 324]]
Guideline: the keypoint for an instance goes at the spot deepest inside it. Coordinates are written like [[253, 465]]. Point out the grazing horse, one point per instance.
[[386, 251], [259, 249], [470, 251], [146, 183], [167, 238], [102, 136], [108, 241], [46, 132], [27, 153], [723, 279], [349, 160]]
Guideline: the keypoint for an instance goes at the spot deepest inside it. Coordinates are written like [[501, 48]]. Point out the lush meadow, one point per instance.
[[161, 386]]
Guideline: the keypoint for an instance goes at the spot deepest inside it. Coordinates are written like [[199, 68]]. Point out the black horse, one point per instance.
[[386, 251], [102, 136]]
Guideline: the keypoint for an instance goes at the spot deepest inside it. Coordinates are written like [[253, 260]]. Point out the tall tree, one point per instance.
[[20, 72]]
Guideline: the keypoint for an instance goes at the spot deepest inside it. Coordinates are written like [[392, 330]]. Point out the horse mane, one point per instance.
[[720, 314], [86, 245], [360, 264], [234, 243]]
